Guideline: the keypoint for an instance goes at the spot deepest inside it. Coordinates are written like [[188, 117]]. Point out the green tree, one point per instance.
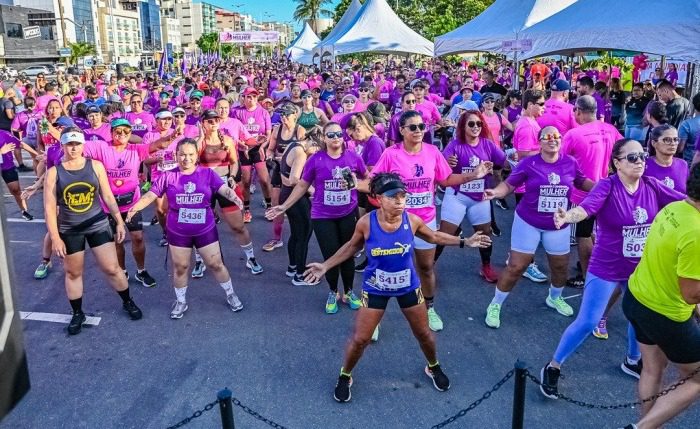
[[312, 10], [208, 42], [80, 50], [340, 10]]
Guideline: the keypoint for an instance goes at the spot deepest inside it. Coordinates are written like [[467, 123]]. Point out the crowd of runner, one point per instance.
[[389, 160]]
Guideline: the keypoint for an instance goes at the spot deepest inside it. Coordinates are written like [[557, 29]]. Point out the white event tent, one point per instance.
[[376, 28], [339, 28], [300, 50], [663, 28], [502, 21]]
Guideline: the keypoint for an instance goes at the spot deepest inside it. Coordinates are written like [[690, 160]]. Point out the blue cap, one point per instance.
[[560, 85], [64, 121]]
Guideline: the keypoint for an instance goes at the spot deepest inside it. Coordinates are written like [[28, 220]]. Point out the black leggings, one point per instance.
[[332, 234], [299, 216]]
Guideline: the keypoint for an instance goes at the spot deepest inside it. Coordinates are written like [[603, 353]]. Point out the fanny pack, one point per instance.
[[125, 199]]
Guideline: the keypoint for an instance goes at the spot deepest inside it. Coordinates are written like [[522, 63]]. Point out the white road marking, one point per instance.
[[572, 296], [22, 220], [22, 242], [56, 317]]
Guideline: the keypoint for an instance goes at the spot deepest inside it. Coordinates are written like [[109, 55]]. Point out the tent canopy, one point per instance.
[[663, 28], [300, 49], [499, 22], [340, 27], [376, 28]]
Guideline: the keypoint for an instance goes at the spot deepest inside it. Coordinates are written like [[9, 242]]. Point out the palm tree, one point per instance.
[[312, 10], [79, 50]]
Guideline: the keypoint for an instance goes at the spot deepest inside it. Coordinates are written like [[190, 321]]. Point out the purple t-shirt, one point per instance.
[[8, 162], [103, 132], [331, 200], [623, 221], [141, 123], [547, 188], [674, 176], [371, 150], [189, 199], [81, 123], [468, 158], [54, 153]]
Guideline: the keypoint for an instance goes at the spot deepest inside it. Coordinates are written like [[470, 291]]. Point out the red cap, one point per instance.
[[203, 86], [249, 91]]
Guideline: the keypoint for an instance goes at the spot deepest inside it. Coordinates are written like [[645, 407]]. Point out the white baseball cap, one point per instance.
[[72, 137]]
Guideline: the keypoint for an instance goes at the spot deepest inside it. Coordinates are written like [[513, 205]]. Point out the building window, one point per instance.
[[14, 30]]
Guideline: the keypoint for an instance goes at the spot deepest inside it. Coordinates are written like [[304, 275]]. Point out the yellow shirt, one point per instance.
[[672, 250]]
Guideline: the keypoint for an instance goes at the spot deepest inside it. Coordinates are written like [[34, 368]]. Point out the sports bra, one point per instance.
[[218, 158], [282, 143]]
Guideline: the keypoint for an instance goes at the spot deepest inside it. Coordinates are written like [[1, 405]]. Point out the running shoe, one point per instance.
[[298, 280], [573, 241], [342, 388], [247, 216], [163, 241], [42, 271], [440, 380], [358, 254], [332, 303], [198, 270], [145, 187], [253, 266], [154, 220], [27, 216], [291, 271], [434, 321], [252, 188], [488, 273], [145, 278], [217, 219], [438, 200], [632, 369], [360, 268], [577, 282], [352, 300], [178, 310], [272, 245], [495, 230], [560, 305], [131, 308], [630, 426], [493, 316], [534, 274], [550, 381], [375, 334], [76, 323], [233, 302], [601, 331], [126, 273], [502, 204]]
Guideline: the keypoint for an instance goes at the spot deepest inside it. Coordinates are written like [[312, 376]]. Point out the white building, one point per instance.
[[121, 35], [170, 28]]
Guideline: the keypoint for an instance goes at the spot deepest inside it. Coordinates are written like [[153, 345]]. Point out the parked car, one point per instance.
[[60, 67], [33, 71]]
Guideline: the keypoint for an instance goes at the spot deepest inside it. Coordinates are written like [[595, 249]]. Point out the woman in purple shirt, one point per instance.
[[625, 205], [334, 214], [664, 166]]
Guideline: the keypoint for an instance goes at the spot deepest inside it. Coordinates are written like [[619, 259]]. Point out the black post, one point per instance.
[[226, 408], [519, 395]]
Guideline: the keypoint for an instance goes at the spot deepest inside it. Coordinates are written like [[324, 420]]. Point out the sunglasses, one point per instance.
[[415, 127], [363, 90], [410, 101], [472, 124], [211, 121], [334, 135], [634, 157], [121, 132], [286, 114], [179, 115], [550, 137], [541, 104], [670, 140], [348, 101]]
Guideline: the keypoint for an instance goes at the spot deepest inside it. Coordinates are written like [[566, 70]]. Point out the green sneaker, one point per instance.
[[560, 305], [493, 316], [375, 334], [434, 321], [352, 300], [145, 187], [332, 303], [42, 271]]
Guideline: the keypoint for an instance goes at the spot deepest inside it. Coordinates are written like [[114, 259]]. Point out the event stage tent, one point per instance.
[[664, 28], [339, 28], [376, 28], [502, 21], [300, 49]]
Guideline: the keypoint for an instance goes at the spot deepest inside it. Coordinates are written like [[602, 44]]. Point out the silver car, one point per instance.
[[33, 71]]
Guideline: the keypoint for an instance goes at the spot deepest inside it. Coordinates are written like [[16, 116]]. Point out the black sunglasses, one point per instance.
[[472, 124], [334, 135], [415, 127], [634, 157], [410, 101]]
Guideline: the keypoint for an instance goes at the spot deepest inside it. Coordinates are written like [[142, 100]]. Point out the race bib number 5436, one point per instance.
[[191, 216]]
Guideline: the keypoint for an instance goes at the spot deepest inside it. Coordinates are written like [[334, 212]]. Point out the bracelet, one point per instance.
[[461, 241]]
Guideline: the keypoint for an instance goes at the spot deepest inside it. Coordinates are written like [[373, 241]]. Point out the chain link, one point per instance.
[[196, 414], [256, 415], [476, 403], [664, 392]]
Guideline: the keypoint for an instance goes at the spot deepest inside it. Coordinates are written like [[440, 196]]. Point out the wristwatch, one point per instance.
[[462, 240]]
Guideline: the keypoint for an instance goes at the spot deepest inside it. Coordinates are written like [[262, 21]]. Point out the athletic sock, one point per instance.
[[197, 256], [248, 250], [342, 372], [77, 305], [555, 292], [227, 286], [181, 294], [124, 294], [268, 202], [246, 205], [499, 297], [432, 365], [429, 302], [632, 361]]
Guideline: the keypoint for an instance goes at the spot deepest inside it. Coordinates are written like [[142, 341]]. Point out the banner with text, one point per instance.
[[249, 36]]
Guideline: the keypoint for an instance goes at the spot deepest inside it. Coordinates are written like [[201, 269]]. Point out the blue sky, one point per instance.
[[281, 10]]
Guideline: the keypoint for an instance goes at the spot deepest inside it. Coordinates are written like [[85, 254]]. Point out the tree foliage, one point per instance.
[[80, 50], [208, 42], [312, 10]]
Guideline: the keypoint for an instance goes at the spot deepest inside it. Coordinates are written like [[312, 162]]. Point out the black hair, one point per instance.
[[405, 116], [81, 110], [377, 111], [531, 96], [657, 110], [331, 124], [696, 102], [381, 179], [616, 150], [656, 132], [693, 184], [586, 81], [406, 94], [183, 142], [639, 85]]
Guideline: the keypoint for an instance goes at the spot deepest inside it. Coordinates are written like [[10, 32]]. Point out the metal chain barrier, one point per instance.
[[256, 415], [476, 403], [196, 414], [664, 392]]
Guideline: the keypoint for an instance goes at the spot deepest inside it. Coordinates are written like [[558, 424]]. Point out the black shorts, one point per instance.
[[680, 341], [379, 302], [134, 225], [225, 204], [252, 158], [584, 229], [10, 175], [75, 241], [276, 179]]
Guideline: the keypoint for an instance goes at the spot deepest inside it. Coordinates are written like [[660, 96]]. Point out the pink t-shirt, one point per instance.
[[526, 138], [495, 124], [360, 106], [420, 172], [256, 122], [234, 128], [103, 132], [141, 122], [558, 114], [429, 112], [43, 100], [168, 159], [591, 145]]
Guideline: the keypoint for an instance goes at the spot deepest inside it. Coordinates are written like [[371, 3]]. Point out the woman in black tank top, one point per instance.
[[76, 186]]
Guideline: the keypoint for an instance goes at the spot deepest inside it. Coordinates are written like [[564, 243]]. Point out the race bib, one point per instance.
[[551, 204], [633, 247], [392, 281], [166, 165], [473, 186], [419, 200], [138, 127], [191, 216], [383, 96], [336, 198]]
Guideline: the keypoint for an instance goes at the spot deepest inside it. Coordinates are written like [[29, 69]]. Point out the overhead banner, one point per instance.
[[249, 37]]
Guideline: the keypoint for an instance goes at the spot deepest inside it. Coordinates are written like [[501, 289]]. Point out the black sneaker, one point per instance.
[[27, 216], [578, 267], [573, 241], [632, 369], [440, 380], [131, 308], [217, 219], [550, 381], [154, 220], [24, 169], [630, 426], [359, 268], [495, 230], [145, 278], [342, 389], [291, 271], [76, 323], [577, 282], [502, 204]]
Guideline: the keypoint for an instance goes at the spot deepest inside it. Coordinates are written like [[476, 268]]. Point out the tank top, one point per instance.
[[285, 170], [282, 143], [78, 196], [219, 158], [390, 270], [308, 120]]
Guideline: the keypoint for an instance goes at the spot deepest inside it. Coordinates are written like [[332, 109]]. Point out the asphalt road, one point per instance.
[[281, 355]]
